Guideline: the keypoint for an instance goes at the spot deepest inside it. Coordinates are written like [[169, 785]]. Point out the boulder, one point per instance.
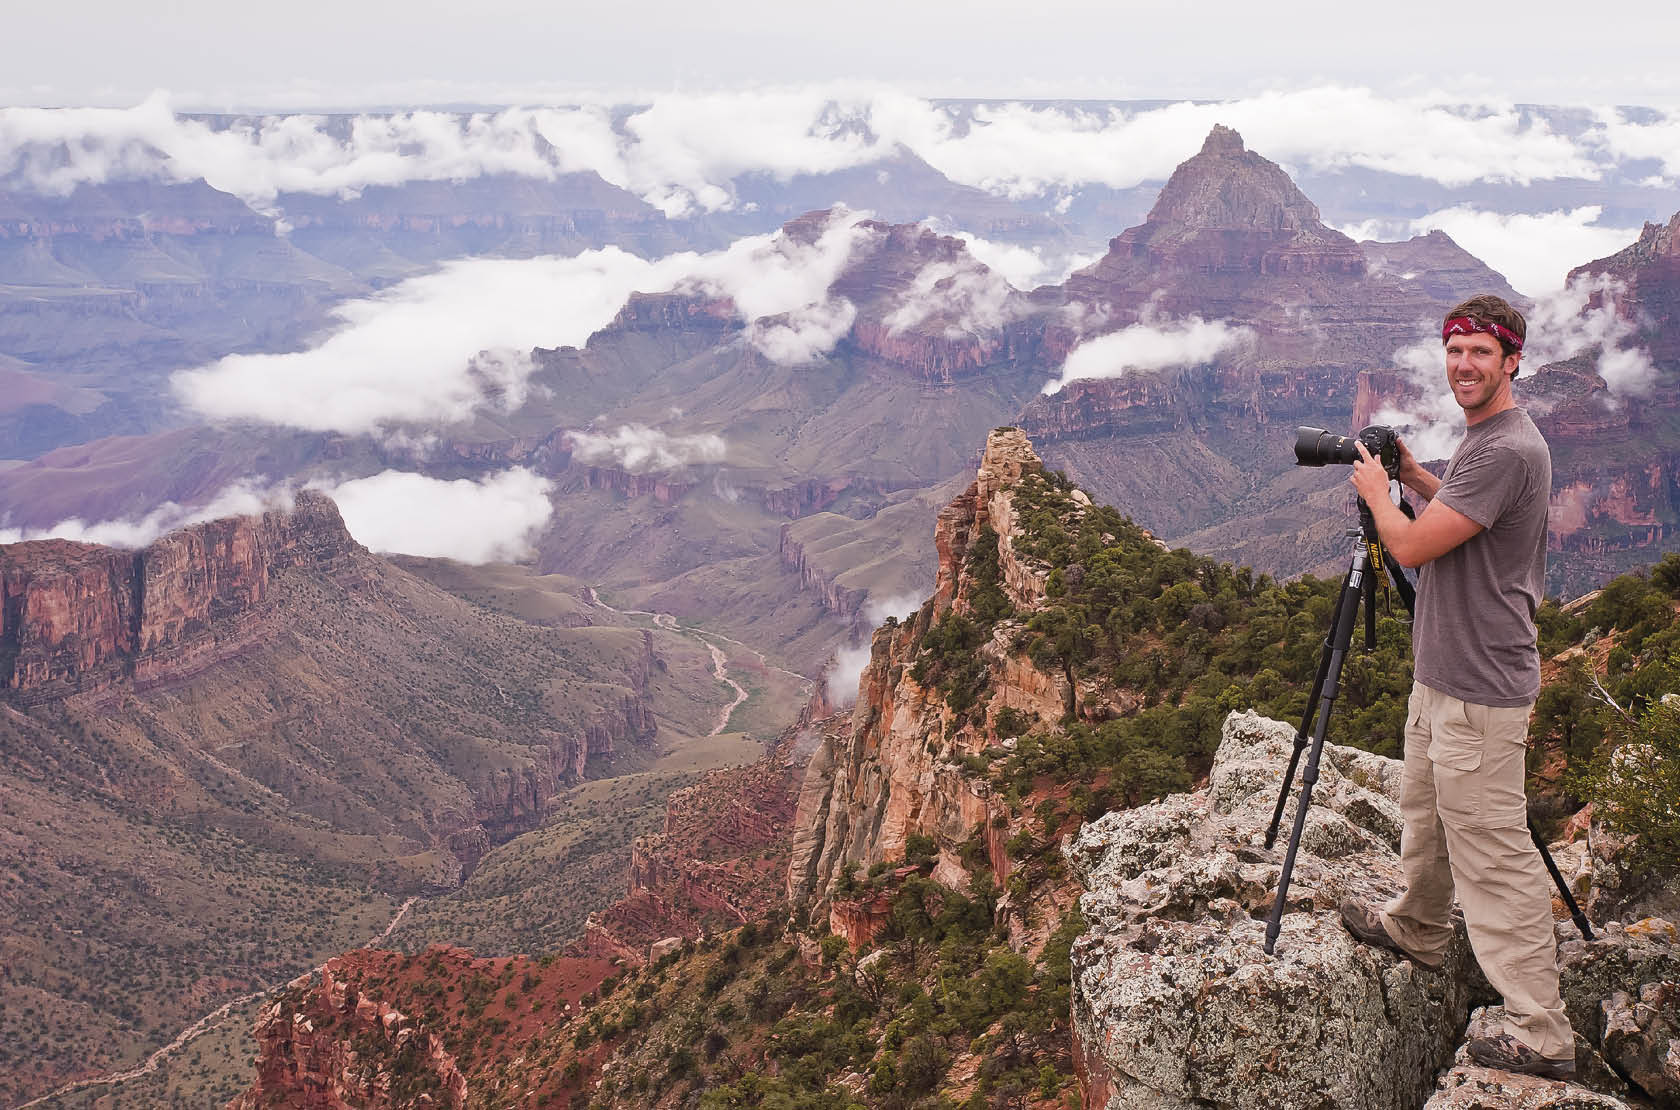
[[1175, 1003]]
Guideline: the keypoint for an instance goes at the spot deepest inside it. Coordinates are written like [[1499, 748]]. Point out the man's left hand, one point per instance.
[[1368, 477]]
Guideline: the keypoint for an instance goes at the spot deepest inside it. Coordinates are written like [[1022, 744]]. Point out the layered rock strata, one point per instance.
[[76, 618]]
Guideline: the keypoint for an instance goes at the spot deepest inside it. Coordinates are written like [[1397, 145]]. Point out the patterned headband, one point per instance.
[[1466, 325]]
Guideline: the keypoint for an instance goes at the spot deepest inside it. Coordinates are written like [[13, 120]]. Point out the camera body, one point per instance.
[[1318, 447]]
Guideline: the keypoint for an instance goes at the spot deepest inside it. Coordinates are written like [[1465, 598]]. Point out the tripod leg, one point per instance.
[[1575, 913], [1347, 613], [1303, 733]]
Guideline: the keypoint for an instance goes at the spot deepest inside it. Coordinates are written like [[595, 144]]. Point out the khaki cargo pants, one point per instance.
[[1466, 829]]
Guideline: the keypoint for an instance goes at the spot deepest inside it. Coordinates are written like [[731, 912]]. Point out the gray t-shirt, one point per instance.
[[1473, 634]]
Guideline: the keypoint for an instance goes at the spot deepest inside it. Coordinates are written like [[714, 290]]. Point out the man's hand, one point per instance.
[[1369, 477], [1412, 475]]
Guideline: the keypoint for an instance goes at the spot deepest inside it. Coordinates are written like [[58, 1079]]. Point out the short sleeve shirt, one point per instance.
[[1473, 634]]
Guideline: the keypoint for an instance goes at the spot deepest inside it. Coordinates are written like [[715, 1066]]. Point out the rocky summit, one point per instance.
[[1176, 1004]]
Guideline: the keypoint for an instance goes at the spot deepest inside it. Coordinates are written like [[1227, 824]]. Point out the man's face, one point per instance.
[[1479, 373]]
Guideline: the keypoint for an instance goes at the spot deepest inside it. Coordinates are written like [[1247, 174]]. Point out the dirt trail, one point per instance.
[[196, 1029]]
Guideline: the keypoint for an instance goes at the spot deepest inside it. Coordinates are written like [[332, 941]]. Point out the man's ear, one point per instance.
[[1512, 365]]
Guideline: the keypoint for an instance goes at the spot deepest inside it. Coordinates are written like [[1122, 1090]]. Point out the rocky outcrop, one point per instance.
[[327, 1047], [76, 618], [898, 769], [1176, 1004], [717, 862]]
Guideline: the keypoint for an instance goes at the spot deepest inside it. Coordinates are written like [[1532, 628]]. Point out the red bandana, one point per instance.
[[1466, 325]]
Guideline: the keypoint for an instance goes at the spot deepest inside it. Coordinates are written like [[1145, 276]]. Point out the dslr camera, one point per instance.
[[1317, 447]]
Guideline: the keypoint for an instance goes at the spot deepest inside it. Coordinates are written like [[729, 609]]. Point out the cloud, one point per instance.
[[1025, 268], [966, 296], [435, 349], [495, 519], [239, 499], [684, 152], [844, 672], [1534, 250], [780, 284], [1149, 346], [1585, 316], [430, 350], [877, 609], [640, 449]]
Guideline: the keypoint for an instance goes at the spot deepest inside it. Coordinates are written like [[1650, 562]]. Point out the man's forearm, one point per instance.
[[1422, 483], [1392, 527]]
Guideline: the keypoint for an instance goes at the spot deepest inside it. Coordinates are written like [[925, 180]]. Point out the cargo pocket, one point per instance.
[[1456, 747]]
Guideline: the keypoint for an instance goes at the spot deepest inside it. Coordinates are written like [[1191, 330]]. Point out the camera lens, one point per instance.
[[1318, 447]]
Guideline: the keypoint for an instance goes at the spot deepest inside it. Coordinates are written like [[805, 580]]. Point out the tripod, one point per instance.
[[1365, 569]]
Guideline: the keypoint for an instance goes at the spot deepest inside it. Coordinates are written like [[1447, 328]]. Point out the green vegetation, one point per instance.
[[745, 1023], [1184, 638], [1605, 707]]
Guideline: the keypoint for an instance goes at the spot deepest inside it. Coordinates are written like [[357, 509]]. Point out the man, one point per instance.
[[1482, 545]]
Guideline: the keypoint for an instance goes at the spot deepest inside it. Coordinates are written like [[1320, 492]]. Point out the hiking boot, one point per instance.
[[1366, 926], [1507, 1053]]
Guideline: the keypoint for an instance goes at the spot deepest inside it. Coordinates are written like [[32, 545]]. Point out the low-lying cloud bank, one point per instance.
[[436, 349], [495, 519], [641, 449], [682, 152], [1534, 250], [1150, 346], [240, 499]]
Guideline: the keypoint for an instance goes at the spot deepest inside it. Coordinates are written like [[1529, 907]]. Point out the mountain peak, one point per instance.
[[1222, 140], [1229, 188]]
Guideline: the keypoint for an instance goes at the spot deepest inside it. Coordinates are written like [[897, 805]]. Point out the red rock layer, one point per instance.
[[721, 857], [77, 617]]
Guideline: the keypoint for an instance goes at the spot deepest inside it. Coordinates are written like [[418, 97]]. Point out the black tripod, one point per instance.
[[1366, 568]]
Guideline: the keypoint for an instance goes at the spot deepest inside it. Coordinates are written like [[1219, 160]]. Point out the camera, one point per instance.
[[1317, 447]]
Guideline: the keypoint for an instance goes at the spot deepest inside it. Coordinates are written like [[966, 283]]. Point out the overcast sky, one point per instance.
[[213, 54]]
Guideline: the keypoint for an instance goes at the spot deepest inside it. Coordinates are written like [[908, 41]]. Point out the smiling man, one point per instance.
[[1481, 544]]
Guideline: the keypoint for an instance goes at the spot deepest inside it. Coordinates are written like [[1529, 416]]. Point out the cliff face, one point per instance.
[[719, 860], [897, 770], [75, 618]]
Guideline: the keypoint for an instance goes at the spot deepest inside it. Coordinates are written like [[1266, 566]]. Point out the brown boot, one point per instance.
[[1366, 926], [1507, 1053]]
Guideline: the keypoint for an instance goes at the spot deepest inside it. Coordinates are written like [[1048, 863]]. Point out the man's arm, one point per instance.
[[1411, 543], [1415, 477]]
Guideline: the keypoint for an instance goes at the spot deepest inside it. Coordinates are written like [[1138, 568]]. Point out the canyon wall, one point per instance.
[[76, 618]]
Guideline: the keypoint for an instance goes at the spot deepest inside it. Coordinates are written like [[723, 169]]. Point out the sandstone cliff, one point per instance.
[[76, 618], [897, 771]]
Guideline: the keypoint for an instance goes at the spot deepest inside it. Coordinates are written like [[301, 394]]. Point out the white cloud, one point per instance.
[[1534, 250], [492, 520], [781, 283], [878, 609], [239, 499], [431, 349], [640, 449], [684, 152], [1658, 139], [1026, 268], [844, 672], [966, 296], [435, 349], [803, 334], [1150, 346]]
